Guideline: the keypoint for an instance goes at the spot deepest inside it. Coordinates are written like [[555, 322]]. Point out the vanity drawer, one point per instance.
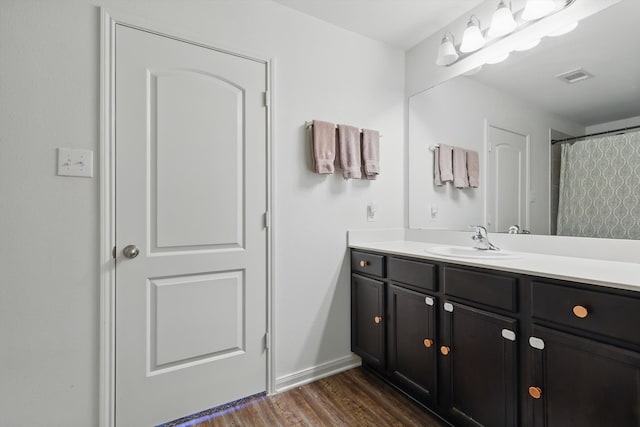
[[485, 288], [420, 274], [611, 315], [367, 263]]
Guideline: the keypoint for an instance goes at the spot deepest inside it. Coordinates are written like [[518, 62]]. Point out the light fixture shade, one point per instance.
[[447, 54], [536, 9], [472, 39], [502, 22]]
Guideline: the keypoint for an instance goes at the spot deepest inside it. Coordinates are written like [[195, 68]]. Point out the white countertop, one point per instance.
[[613, 274]]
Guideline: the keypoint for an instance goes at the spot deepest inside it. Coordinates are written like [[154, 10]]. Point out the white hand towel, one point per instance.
[[460, 176], [324, 146], [446, 163], [370, 153], [436, 167], [350, 161], [473, 168]]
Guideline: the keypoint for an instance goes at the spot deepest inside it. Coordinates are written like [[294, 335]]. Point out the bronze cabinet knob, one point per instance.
[[363, 263], [445, 350], [580, 311], [377, 319], [427, 342], [535, 392]]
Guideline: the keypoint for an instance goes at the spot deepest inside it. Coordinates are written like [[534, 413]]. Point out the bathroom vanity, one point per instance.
[[492, 343]]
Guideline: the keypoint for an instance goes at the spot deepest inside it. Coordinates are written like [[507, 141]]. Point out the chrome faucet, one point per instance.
[[482, 239], [515, 229]]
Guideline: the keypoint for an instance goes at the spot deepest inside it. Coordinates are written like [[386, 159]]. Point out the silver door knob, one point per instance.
[[130, 251]]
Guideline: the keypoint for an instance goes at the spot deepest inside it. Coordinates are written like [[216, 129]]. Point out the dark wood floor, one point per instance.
[[352, 398]]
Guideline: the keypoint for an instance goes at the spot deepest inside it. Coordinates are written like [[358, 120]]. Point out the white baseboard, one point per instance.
[[317, 372]]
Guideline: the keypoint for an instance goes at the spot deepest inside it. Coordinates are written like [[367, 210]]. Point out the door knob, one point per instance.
[[377, 319], [445, 350], [130, 251], [427, 342]]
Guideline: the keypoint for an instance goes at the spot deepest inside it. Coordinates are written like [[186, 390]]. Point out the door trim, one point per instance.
[[108, 21]]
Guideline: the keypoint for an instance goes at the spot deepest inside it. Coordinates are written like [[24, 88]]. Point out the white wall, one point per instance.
[[616, 124], [49, 87], [454, 113]]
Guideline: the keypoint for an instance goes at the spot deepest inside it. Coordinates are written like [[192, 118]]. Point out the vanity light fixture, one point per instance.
[[447, 53], [536, 9], [502, 22], [472, 39]]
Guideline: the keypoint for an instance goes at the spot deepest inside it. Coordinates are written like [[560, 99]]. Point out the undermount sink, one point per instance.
[[463, 252]]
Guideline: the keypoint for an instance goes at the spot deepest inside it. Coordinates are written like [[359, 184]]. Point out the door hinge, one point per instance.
[[266, 98], [267, 219], [490, 147], [113, 252], [267, 340]]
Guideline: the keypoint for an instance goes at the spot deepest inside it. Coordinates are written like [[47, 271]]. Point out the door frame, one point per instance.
[[527, 187], [108, 22]]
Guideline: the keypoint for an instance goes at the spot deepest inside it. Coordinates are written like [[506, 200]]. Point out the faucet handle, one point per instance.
[[480, 230]]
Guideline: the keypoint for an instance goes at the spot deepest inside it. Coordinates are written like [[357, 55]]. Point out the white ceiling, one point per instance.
[[400, 23]]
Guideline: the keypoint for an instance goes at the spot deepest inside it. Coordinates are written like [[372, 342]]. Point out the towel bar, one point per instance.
[[433, 147], [308, 124]]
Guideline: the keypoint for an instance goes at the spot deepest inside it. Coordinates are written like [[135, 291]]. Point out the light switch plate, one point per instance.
[[75, 162]]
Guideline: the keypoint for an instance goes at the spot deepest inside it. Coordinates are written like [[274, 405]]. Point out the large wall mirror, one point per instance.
[[512, 111]]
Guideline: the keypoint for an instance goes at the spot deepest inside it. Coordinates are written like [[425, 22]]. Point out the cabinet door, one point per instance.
[[580, 382], [412, 344], [367, 320], [478, 363]]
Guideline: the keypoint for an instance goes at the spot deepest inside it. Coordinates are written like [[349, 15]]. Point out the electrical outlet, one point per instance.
[[372, 212]]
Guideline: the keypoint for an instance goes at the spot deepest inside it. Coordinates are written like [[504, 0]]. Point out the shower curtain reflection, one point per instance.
[[600, 187]]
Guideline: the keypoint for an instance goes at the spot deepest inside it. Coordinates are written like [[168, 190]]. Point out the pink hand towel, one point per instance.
[[473, 168], [370, 153], [446, 165], [460, 177], [349, 138], [436, 167], [324, 146]]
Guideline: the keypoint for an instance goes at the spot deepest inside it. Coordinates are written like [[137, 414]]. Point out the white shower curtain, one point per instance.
[[600, 187]]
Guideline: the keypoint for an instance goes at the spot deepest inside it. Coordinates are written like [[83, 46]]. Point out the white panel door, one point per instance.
[[190, 138], [506, 179]]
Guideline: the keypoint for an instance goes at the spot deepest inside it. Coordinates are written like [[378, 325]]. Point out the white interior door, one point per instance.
[[506, 179], [190, 136]]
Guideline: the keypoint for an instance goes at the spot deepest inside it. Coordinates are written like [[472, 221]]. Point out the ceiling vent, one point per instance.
[[574, 76]]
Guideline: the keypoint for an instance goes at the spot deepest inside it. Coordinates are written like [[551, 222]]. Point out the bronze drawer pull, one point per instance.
[[377, 319], [427, 342], [363, 263], [535, 392], [445, 350], [580, 311]]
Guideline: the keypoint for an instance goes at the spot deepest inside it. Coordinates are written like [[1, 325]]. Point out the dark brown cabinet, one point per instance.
[[368, 320], [580, 382], [412, 341], [478, 375], [482, 347]]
